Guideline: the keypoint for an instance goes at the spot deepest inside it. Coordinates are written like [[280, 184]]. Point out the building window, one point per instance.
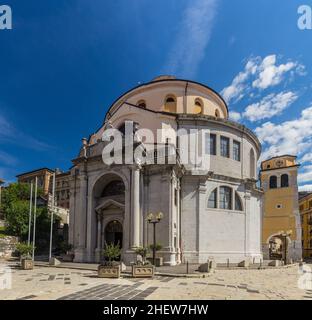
[[236, 151], [171, 104], [238, 203], [198, 108], [273, 182], [279, 206], [225, 198], [141, 104], [301, 207], [217, 113], [114, 188], [212, 201], [211, 144], [252, 163], [310, 204], [225, 147], [284, 181]]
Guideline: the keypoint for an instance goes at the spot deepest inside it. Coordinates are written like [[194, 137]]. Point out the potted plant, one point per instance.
[[67, 254], [143, 268], [25, 251], [158, 260], [110, 268]]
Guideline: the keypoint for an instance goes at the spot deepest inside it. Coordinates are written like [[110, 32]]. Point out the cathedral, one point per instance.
[[208, 209]]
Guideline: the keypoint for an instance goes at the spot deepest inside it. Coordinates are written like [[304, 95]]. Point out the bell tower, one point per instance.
[[281, 225]]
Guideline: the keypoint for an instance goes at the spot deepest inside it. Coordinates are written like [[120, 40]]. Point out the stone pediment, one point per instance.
[[110, 204]]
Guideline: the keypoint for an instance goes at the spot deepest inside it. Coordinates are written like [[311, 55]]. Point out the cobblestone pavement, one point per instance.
[[69, 284]]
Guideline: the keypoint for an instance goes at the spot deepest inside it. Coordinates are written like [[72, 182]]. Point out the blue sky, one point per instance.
[[64, 62]]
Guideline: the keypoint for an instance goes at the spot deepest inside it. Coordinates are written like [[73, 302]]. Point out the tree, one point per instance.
[[15, 206]]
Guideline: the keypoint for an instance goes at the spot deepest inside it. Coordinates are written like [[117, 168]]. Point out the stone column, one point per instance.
[[99, 239], [99, 231], [135, 234]]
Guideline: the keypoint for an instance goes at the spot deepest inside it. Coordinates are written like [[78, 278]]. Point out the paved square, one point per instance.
[[44, 283]]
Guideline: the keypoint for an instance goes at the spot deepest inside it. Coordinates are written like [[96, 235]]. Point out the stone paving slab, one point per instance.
[[44, 283]]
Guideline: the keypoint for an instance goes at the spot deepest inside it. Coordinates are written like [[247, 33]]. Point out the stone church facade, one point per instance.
[[208, 211]]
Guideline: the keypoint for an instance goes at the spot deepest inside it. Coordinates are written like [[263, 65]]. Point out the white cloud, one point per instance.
[[306, 158], [7, 158], [306, 175], [305, 187], [235, 116], [271, 74], [194, 34], [259, 74], [290, 137], [236, 90], [269, 106], [10, 134]]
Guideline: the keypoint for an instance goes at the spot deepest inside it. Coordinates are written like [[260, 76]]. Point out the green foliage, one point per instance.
[[64, 247], [158, 246], [112, 252], [15, 206], [24, 249], [143, 252]]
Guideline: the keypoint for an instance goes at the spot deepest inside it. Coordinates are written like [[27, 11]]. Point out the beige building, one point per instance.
[[305, 207], [209, 209], [62, 192], [45, 181], [281, 231], [44, 176]]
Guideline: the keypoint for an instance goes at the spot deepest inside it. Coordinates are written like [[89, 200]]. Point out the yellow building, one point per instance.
[[305, 207], [281, 229]]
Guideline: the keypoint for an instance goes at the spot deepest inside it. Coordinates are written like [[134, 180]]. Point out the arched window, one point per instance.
[[141, 104], [114, 188], [238, 203], [122, 128], [198, 107], [284, 181], [212, 201], [252, 163], [225, 198], [217, 113], [135, 126], [273, 182], [171, 104]]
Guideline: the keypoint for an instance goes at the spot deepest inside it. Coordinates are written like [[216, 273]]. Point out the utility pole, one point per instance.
[[35, 212], [52, 213], [30, 212]]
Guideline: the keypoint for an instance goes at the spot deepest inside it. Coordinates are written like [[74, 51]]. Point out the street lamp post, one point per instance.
[[154, 219]]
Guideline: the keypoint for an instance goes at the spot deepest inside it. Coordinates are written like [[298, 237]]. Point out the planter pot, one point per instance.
[[158, 261], [142, 271], [27, 264], [108, 271], [67, 257]]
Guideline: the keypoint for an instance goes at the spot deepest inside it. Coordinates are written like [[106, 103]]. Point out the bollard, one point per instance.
[[228, 263], [187, 267]]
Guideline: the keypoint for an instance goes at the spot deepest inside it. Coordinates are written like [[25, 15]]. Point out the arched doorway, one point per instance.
[[113, 233]]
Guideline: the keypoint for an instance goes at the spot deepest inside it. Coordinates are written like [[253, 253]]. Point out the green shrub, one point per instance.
[[112, 252], [24, 250]]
